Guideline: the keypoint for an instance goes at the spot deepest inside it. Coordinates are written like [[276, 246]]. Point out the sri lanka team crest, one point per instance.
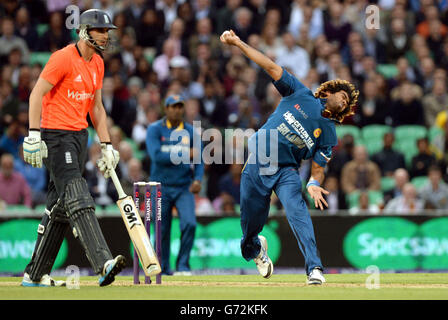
[[317, 132]]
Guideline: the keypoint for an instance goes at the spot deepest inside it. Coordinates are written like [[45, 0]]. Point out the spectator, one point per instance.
[[405, 72], [342, 155], [435, 191], [288, 55], [8, 41], [176, 33], [407, 107], [360, 173], [425, 74], [133, 13], [388, 159], [25, 29], [406, 203], [435, 102], [225, 15], [180, 71], [230, 183], [372, 108], [98, 185], [335, 28], [336, 199], [440, 145], [13, 138], [364, 206], [36, 179], [186, 13], [401, 177], [151, 20], [373, 46], [398, 41], [134, 174], [13, 187], [204, 34], [212, 105], [57, 36], [423, 160], [10, 102], [243, 23], [109, 6], [161, 64]]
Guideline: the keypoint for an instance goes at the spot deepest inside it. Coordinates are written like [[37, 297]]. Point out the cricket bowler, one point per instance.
[[68, 88], [304, 124]]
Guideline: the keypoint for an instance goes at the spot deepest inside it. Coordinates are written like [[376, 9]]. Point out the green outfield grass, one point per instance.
[[245, 287]]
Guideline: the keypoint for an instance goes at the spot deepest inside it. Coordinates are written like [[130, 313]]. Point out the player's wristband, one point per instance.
[[313, 183]]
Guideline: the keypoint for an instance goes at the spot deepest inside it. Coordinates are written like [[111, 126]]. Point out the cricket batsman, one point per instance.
[[68, 88], [305, 129]]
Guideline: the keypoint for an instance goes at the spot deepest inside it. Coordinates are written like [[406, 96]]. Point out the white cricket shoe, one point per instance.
[[264, 264], [316, 277], [45, 281]]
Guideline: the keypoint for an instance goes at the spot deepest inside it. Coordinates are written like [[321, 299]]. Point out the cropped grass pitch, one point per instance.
[[410, 286]]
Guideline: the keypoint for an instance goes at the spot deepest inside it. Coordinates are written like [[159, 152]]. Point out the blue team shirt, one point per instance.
[[303, 133], [160, 146]]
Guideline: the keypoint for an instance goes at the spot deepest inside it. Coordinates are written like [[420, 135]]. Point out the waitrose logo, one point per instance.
[[17, 241], [397, 243]]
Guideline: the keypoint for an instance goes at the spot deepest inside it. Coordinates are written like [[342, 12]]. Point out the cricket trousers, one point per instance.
[[255, 199], [67, 154], [183, 200]]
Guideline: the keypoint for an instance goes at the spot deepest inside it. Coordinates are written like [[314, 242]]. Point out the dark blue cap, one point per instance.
[[174, 99]]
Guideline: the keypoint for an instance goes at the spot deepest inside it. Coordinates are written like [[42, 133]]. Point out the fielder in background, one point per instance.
[[304, 128], [68, 88], [165, 140]]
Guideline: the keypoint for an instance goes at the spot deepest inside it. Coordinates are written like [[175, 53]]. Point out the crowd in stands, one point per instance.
[[392, 154]]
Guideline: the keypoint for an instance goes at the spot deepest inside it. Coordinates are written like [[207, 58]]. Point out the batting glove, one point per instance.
[[109, 159], [34, 149]]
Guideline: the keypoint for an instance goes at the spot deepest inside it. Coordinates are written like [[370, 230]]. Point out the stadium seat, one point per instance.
[[408, 148], [387, 70], [342, 130], [40, 209], [40, 58], [419, 182], [373, 145], [407, 132], [18, 209], [139, 154], [41, 28], [373, 131], [433, 132], [387, 183], [375, 197]]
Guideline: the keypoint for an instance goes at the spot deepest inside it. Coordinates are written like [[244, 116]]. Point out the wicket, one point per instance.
[[153, 199]]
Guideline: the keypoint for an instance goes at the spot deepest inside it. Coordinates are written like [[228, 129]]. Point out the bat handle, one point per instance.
[[117, 184]]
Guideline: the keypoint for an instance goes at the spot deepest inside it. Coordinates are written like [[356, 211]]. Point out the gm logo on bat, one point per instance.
[[130, 215]]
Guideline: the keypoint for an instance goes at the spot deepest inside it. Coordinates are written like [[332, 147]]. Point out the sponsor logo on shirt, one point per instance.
[[298, 108], [80, 96], [317, 132], [297, 126], [78, 78]]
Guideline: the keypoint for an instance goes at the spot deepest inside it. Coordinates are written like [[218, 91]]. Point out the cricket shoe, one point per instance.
[[264, 264], [316, 277], [111, 269], [45, 281]]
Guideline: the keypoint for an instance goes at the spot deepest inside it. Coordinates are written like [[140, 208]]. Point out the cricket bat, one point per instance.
[[136, 230]]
